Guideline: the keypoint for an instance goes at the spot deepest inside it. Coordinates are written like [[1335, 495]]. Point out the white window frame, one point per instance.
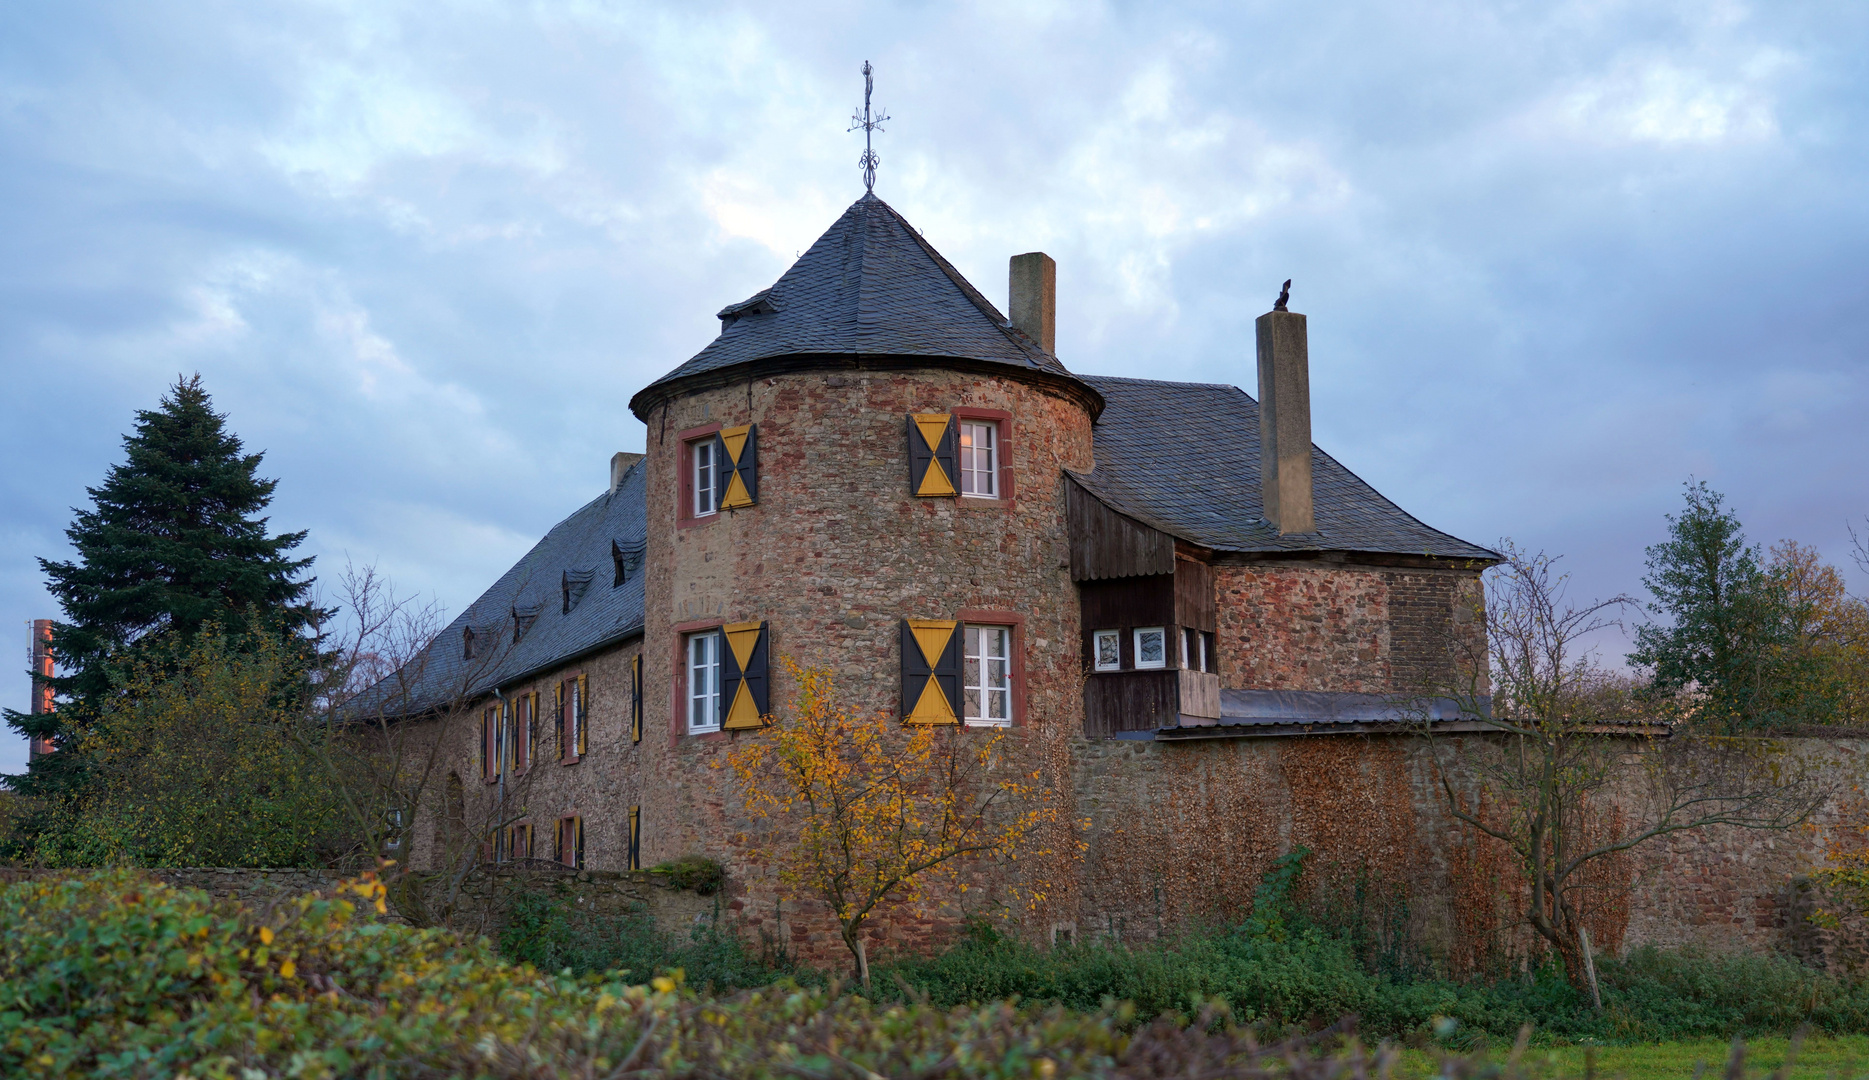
[[704, 474], [1161, 661], [971, 471], [1097, 638], [1206, 661], [1185, 652], [981, 692], [703, 682]]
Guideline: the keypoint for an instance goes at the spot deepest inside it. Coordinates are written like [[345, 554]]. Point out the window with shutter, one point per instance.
[[492, 747], [743, 683], [569, 846], [558, 722], [738, 467], [703, 681], [931, 663], [581, 713], [933, 460], [635, 699], [523, 705], [635, 838]]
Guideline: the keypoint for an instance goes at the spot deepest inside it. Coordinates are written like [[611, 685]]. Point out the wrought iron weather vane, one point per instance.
[[863, 120]]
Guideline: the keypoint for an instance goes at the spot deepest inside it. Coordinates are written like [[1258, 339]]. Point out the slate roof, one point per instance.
[[869, 286], [1184, 458], [605, 613]]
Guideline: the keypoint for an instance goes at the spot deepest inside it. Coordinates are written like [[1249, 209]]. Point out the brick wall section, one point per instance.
[[1339, 628], [1181, 834], [836, 552]]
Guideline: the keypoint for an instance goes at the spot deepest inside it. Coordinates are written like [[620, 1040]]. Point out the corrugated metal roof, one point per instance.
[[1184, 458], [872, 286]]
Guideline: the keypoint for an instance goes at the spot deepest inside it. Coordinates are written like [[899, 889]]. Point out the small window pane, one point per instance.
[[1151, 648], [979, 460], [1109, 649], [987, 675], [705, 498], [704, 682]]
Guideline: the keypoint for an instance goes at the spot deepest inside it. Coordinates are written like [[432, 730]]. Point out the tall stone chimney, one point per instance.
[[1034, 298], [620, 464], [1285, 422], [39, 745]]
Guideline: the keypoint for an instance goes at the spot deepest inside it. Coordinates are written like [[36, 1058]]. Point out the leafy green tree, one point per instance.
[[194, 761], [175, 540], [1728, 627]]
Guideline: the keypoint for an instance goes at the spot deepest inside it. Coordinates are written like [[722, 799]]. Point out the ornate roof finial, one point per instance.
[[869, 160]]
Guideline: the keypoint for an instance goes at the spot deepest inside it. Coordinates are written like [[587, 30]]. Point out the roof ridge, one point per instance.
[[1166, 382], [993, 315]]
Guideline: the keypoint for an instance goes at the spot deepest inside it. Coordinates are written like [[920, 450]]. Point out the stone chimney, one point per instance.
[[1285, 422], [620, 464], [1034, 298], [42, 671]]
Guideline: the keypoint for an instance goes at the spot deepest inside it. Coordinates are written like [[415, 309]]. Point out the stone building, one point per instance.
[[1191, 620]]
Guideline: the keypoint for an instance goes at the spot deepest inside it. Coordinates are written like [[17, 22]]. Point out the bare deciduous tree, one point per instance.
[[394, 719], [1576, 767]]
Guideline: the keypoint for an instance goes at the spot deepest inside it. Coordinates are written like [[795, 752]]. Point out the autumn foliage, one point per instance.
[[870, 811]]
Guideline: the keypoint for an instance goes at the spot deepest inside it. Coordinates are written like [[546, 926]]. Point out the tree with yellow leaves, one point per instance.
[[870, 810]]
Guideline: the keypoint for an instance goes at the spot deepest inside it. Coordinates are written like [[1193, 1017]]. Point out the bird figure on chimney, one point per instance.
[[1284, 297]]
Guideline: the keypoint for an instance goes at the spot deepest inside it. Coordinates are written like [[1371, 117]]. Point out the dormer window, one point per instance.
[[467, 643], [627, 560], [760, 303], [523, 618], [573, 586]]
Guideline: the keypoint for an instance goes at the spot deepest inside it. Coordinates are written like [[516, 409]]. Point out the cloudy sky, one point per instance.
[[1557, 257]]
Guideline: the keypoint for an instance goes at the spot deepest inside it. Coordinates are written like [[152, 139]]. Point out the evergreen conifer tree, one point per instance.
[[174, 542], [1730, 627]]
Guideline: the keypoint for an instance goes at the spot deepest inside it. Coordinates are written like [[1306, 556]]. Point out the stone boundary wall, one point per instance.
[[483, 899]]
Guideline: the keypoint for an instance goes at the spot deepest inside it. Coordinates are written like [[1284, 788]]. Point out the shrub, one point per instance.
[[111, 975], [696, 873], [549, 933], [1305, 975]]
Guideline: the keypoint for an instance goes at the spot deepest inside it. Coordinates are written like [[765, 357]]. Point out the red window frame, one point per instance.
[[1016, 622], [1003, 442], [684, 513]]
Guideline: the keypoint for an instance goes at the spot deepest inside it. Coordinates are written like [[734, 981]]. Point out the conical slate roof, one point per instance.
[[870, 286]]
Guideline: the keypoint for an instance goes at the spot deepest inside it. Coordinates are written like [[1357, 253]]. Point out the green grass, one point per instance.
[[1819, 1058]]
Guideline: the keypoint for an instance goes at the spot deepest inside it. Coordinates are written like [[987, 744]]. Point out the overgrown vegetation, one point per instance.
[[116, 976], [175, 544], [194, 761], [695, 873], [551, 934]]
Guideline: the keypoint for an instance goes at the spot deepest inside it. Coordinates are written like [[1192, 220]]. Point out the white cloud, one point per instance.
[[1665, 102]]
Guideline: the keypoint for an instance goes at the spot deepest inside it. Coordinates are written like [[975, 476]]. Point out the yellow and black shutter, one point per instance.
[[635, 838], [743, 681], [738, 476], [930, 671], [934, 463], [635, 699]]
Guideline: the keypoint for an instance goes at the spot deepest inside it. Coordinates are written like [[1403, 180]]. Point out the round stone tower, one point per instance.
[[868, 441]]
